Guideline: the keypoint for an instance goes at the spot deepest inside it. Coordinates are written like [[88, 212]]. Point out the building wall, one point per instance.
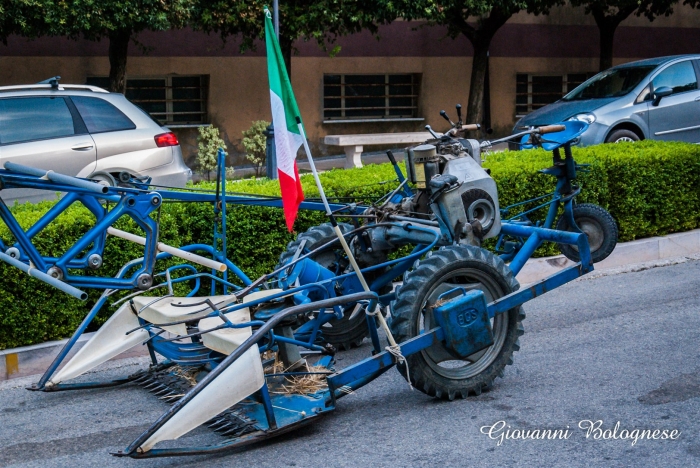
[[566, 41]]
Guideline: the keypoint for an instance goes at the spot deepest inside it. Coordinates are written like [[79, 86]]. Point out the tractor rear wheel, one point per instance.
[[350, 330], [434, 370]]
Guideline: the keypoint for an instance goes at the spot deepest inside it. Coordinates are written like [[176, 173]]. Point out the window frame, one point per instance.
[[694, 67], [79, 127], [169, 112], [386, 117], [566, 88], [132, 127]]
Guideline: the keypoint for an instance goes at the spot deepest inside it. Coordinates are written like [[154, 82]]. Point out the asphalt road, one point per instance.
[[617, 348]]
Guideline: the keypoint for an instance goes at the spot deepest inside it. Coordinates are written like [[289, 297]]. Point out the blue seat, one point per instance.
[[552, 141]]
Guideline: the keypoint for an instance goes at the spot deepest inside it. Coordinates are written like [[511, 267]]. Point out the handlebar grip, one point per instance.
[[391, 157], [550, 129], [471, 127], [41, 276], [174, 251]]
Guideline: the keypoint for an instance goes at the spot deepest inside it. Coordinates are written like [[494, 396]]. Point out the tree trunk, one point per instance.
[[607, 24], [607, 35], [286, 47], [118, 48], [480, 62]]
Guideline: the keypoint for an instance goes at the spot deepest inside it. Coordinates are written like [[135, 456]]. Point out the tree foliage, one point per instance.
[[322, 21], [254, 142], [208, 143], [478, 21], [609, 14], [118, 21]]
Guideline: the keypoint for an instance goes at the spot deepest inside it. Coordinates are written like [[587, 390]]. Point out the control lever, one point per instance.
[[444, 116], [430, 129], [459, 114]]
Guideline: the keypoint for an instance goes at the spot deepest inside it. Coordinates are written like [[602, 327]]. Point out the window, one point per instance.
[[171, 100], [35, 118], [679, 77], [535, 91], [101, 116], [370, 97]]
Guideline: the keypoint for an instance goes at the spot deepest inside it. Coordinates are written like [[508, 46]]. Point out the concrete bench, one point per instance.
[[353, 144]]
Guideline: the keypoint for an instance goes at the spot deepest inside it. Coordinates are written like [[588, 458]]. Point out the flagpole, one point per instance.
[[341, 238]]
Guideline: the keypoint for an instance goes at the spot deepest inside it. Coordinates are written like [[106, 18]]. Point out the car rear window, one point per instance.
[[101, 116], [34, 118]]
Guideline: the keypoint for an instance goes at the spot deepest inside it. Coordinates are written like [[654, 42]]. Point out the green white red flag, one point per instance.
[[286, 121]]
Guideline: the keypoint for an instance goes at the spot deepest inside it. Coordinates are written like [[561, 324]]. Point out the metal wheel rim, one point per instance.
[[624, 139], [478, 362], [593, 230]]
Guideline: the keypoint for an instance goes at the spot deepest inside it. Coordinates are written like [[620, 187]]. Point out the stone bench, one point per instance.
[[353, 144]]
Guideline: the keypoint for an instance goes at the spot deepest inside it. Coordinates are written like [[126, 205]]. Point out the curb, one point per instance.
[[35, 359], [628, 253]]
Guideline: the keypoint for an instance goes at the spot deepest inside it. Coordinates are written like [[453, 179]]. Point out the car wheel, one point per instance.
[[104, 178], [619, 136]]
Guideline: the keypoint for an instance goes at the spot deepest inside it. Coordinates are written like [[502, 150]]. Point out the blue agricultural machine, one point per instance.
[[254, 359]]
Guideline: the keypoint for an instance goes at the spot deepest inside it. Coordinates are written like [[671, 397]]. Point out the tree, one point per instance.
[[119, 21], [321, 20], [609, 14], [478, 21], [22, 17]]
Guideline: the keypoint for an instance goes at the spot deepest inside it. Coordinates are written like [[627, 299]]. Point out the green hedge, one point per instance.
[[651, 188]]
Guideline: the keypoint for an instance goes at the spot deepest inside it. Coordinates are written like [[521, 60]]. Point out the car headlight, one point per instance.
[[586, 117]]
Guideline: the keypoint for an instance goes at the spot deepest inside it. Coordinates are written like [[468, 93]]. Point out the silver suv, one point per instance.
[[84, 131]]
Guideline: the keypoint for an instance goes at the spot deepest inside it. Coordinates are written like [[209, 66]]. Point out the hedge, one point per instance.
[[651, 188]]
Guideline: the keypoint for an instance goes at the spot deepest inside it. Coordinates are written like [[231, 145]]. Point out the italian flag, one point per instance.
[[286, 121]]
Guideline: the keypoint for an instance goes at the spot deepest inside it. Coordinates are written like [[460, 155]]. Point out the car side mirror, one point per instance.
[[659, 93]]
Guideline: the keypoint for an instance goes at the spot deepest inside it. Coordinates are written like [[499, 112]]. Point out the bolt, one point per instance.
[[95, 261], [155, 201]]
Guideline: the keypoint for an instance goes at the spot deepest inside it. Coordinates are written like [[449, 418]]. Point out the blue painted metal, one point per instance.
[[465, 322], [572, 130]]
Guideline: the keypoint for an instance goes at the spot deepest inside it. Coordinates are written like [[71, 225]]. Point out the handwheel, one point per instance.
[[600, 227], [351, 329], [434, 370]]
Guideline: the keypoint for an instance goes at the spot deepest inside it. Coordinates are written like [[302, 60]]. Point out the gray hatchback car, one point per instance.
[[84, 131], [654, 99]]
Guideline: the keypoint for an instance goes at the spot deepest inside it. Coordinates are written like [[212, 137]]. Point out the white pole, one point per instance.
[[341, 238]]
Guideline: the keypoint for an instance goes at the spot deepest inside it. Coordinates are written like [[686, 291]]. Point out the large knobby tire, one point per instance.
[[621, 136], [600, 227], [346, 332], [434, 371]]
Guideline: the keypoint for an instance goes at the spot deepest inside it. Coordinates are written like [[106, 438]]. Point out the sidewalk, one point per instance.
[[628, 256]]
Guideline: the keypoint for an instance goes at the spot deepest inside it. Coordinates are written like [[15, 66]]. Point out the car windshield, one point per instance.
[[610, 83]]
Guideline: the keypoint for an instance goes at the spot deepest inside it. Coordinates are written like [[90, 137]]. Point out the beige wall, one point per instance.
[[239, 93]]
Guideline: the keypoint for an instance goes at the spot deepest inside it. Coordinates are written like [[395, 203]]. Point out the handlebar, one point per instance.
[[537, 130], [550, 129], [464, 128]]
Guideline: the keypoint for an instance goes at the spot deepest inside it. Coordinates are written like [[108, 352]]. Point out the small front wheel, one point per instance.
[[600, 227]]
